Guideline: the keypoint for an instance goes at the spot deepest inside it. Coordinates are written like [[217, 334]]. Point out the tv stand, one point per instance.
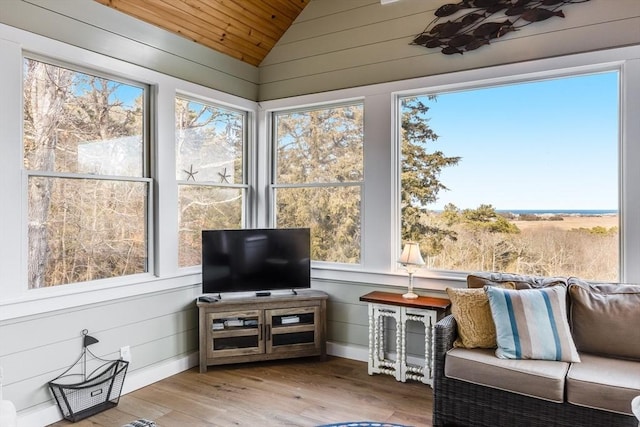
[[254, 328]]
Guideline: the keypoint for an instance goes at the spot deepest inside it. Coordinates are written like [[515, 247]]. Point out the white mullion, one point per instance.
[[630, 173], [320, 185], [13, 212], [92, 177]]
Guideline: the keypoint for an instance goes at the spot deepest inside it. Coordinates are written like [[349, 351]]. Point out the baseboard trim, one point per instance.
[[361, 353], [154, 374], [348, 351], [49, 413]]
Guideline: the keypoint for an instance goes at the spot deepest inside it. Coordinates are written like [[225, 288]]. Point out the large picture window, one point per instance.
[[211, 172], [318, 175], [85, 150], [520, 177]]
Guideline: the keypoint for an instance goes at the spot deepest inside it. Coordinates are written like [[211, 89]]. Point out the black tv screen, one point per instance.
[[255, 260]]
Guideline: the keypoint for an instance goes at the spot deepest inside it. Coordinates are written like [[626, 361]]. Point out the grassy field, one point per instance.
[[572, 221]]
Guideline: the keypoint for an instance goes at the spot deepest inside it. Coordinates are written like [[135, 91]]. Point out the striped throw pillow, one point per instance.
[[532, 324]]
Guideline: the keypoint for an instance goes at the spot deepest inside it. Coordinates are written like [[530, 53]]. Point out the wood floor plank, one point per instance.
[[299, 393]]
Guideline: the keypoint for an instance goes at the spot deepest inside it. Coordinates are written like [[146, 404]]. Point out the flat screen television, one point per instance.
[[251, 260]]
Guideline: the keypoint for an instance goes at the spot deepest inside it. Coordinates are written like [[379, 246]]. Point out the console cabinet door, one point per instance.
[[235, 333], [292, 330]]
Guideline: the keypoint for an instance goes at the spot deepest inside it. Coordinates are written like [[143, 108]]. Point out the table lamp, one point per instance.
[[412, 260]]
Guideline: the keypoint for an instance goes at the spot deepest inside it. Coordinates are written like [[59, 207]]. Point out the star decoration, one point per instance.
[[190, 173], [224, 177]]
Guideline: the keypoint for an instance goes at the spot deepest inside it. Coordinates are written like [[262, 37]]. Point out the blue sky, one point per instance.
[[545, 145]]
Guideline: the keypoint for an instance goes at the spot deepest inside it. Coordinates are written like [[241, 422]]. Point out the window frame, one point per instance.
[[145, 178], [557, 70], [274, 185]]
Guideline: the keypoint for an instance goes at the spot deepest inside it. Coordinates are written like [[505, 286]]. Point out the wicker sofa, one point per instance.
[[472, 387]]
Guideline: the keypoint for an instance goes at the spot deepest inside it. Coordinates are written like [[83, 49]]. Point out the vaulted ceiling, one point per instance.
[[243, 29]]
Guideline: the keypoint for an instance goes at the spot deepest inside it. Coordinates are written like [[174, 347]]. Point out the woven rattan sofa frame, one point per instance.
[[459, 403]]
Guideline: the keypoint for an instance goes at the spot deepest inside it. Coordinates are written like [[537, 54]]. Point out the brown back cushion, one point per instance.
[[605, 318], [480, 280]]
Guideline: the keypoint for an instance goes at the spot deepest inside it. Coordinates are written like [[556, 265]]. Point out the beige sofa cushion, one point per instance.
[[603, 383], [470, 307], [480, 280], [543, 379], [605, 318]]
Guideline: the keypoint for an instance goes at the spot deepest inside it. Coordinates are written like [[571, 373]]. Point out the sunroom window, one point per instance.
[[519, 177], [318, 176], [85, 148], [210, 171]]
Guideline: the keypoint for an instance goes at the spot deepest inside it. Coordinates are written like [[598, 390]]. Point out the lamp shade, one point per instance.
[[411, 254]]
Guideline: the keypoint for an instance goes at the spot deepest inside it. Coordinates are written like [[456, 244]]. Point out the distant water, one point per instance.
[[559, 211]]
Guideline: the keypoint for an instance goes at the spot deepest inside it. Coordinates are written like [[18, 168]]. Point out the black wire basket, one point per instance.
[[79, 395]]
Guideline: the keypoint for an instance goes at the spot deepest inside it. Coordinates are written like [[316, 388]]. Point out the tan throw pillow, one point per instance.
[[470, 308]]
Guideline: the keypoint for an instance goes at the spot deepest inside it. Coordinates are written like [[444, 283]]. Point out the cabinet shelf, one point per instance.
[[262, 328], [234, 332]]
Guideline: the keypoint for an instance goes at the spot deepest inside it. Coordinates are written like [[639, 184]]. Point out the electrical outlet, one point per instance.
[[125, 353]]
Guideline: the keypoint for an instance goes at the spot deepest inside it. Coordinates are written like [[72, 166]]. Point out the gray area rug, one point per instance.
[[363, 424], [141, 423]]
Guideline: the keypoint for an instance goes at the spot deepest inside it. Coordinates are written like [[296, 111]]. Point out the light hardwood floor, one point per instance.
[[300, 392]]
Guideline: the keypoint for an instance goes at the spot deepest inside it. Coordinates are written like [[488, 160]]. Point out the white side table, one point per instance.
[[386, 305]]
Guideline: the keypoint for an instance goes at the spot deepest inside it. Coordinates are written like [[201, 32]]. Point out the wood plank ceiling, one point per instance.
[[243, 29]]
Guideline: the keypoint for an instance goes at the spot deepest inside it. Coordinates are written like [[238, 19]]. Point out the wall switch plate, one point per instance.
[[125, 353]]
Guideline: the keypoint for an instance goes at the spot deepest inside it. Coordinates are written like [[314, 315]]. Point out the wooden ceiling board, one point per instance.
[[244, 29], [224, 17], [239, 12], [249, 46]]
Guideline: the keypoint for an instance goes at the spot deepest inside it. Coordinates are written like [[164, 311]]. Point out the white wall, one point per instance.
[[336, 44]]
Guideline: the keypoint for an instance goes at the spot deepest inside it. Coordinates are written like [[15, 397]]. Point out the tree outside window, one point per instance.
[[318, 175]]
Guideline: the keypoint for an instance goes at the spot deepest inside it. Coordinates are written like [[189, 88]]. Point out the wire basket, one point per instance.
[[79, 395]]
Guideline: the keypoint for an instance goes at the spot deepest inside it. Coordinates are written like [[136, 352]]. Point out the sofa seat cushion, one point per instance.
[[603, 383], [543, 379]]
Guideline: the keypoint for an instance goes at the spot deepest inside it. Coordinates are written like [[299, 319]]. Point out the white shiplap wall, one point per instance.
[[159, 328], [336, 44]]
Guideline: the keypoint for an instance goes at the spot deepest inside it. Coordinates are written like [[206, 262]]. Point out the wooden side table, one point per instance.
[[385, 305]]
